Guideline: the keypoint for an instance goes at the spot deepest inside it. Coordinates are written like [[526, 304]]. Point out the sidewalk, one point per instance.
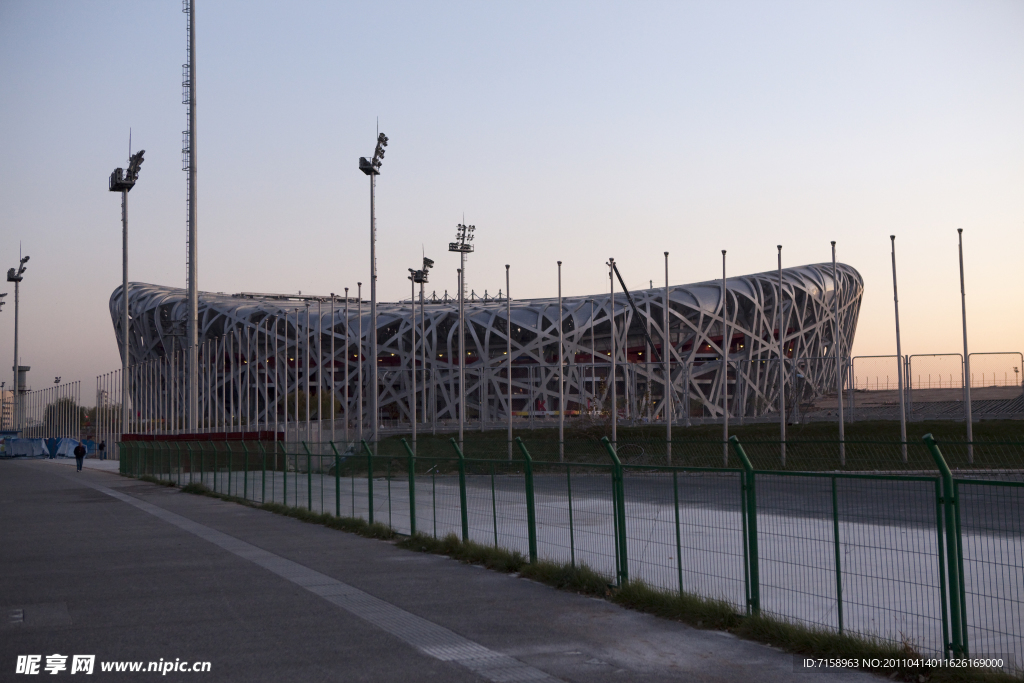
[[105, 565], [88, 463]]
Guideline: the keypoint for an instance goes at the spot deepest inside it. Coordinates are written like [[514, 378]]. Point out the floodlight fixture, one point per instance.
[[120, 181], [56, 380], [372, 167], [463, 235]]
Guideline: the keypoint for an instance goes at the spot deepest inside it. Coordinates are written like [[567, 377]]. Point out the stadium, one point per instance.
[[256, 349]]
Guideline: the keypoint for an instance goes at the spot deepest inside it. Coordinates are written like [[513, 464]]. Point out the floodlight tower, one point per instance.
[[188, 154], [16, 275], [463, 237], [415, 276], [123, 182], [372, 169]]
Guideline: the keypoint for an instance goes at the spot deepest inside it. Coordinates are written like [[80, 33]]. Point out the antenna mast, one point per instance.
[[188, 160]]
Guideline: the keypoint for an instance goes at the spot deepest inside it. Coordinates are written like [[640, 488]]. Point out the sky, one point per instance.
[[569, 131]]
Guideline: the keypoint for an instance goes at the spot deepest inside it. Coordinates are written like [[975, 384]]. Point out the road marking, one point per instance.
[[426, 636]]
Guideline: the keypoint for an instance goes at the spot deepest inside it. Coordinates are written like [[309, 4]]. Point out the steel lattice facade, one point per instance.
[[252, 344]]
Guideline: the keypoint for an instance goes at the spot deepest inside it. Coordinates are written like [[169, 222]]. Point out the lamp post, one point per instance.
[[16, 275], [372, 169], [463, 237], [123, 182]]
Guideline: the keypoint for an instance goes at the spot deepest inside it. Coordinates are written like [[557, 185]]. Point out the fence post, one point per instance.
[[619, 504], [337, 481], [959, 645], [215, 471], [751, 499], [835, 543], [462, 491], [309, 477], [245, 475], [412, 487], [531, 508], [263, 478], [369, 479]]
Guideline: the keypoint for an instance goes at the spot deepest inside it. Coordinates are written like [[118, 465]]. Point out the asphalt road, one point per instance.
[[94, 563]]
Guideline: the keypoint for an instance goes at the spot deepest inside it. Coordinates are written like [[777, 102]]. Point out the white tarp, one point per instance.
[[66, 448], [34, 447]]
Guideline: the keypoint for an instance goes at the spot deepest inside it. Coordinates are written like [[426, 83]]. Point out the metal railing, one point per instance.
[[927, 552]]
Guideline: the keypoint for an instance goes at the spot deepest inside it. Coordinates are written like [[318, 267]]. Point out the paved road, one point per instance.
[[94, 563]]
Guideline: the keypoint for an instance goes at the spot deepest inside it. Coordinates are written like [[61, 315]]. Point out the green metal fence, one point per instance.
[[907, 550]]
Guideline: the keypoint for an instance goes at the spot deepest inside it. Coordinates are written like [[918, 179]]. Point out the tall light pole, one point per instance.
[[782, 365], [123, 182], [189, 157], [967, 357], [508, 354], [420, 277], [561, 373], [899, 356], [372, 169], [16, 275], [666, 356], [463, 238], [611, 320], [726, 343], [839, 358]]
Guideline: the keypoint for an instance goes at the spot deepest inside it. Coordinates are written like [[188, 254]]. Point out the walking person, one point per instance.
[[102, 448], [79, 455]]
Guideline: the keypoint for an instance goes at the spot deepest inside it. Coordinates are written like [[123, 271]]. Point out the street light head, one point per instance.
[[24, 259]]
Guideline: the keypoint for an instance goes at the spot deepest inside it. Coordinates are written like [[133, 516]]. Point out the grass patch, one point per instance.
[[689, 609], [580, 579], [497, 559]]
